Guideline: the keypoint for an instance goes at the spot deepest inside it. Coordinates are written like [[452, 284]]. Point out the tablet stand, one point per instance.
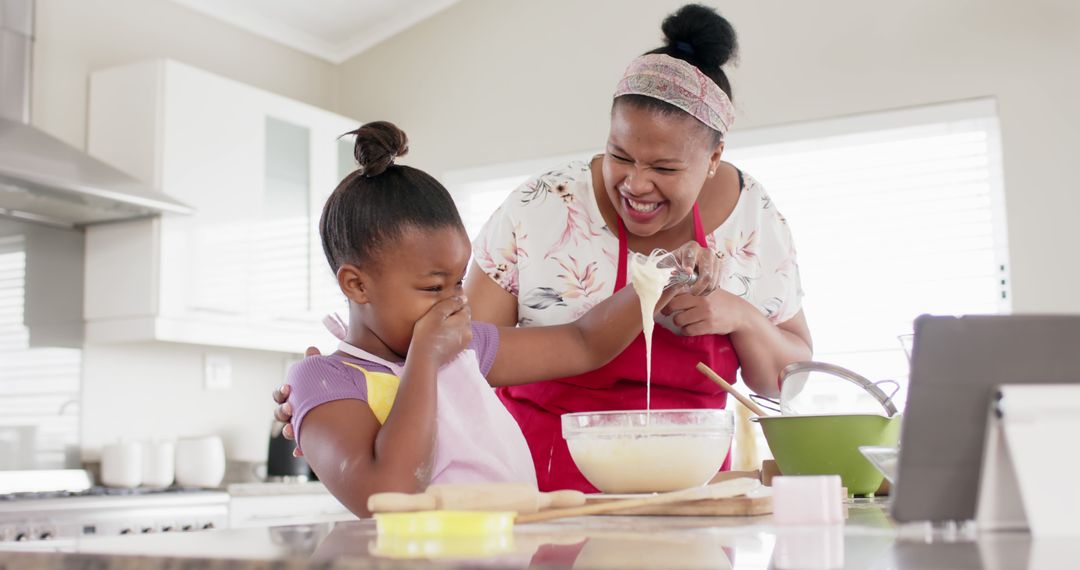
[[1031, 458]]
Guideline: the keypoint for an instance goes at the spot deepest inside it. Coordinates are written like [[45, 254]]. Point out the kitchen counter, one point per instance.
[[869, 539], [276, 489], [262, 505]]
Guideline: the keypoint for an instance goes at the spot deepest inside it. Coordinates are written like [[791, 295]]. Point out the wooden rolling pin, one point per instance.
[[520, 498], [722, 490]]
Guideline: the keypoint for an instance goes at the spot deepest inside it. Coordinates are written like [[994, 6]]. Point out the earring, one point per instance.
[[712, 173]]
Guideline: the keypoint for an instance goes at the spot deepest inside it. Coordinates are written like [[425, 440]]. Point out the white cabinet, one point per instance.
[[247, 269]]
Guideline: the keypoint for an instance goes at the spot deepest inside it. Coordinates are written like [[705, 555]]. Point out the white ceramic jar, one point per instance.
[[122, 464], [200, 461], [158, 463]]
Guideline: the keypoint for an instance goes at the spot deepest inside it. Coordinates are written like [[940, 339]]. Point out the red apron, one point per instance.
[[620, 385]]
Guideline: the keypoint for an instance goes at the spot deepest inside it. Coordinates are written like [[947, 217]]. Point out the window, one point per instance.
[[894, 214], [478, 192], [39, 387]]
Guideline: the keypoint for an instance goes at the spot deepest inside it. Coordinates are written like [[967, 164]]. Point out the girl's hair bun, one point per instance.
[[702, 37], [377, 145], [379, 201]]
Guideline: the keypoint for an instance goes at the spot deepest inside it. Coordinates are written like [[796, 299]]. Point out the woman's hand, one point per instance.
[[444, 331], [719, 312], [283, 413], [703, 261]]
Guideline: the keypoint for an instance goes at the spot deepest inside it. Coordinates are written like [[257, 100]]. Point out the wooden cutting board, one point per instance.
[[730, 507]]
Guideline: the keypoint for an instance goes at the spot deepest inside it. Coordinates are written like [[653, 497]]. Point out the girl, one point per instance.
[[405, 402]]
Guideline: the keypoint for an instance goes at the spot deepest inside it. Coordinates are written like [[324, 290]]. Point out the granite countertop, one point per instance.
[[869, 539]]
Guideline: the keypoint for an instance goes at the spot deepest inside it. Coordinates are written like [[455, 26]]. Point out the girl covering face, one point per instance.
[[407, 399]]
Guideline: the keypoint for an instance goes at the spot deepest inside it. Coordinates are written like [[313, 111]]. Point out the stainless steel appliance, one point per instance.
[[61, 505], [281, 465], [42, 179], [104, 511]]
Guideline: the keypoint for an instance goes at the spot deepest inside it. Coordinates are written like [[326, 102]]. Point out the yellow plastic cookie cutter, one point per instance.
[[443, 524], [444, 534]]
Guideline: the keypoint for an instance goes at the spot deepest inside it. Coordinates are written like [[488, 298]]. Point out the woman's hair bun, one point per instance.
[[700, 36], [377, 145]]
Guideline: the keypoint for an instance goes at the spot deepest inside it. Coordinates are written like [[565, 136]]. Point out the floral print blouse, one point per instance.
[[549, 246]]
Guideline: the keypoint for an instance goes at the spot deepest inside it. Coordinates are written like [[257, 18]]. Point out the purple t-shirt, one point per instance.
[[316, 380]]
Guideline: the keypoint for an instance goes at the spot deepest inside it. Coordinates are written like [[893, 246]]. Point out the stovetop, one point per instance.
[[101, 498], [109, 511], [100, 491]]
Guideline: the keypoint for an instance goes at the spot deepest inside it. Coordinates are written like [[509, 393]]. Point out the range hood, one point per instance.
[[43, 179]]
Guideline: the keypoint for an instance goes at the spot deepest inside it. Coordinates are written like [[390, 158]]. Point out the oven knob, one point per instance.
[[22, 536], [186, 528], [147, 529], [46, 535], [208, 526], [125, 531], [167, 528]]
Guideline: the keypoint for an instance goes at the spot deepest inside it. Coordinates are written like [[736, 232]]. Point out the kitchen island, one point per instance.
[[869, 539]]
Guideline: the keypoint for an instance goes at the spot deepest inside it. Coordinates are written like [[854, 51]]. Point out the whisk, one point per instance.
[[666, 260]]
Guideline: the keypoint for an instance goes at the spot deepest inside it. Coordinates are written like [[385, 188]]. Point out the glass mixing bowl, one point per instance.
[[639, 451], [886, 459]]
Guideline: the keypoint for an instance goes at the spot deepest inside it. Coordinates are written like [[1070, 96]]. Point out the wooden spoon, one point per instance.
[[722, 490], [753, 407]]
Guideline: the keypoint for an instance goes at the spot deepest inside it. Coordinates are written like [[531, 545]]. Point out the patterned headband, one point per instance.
[[681, 84]]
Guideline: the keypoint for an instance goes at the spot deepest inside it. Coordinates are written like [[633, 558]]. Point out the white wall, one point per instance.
[[490, 81], [156, 390], [75, 37]]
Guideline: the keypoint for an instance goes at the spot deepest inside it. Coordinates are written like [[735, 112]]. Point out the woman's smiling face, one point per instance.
[[654, 167]]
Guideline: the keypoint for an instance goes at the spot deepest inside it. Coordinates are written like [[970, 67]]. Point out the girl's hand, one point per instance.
[[703, 261], [444, 331], [718, 312]]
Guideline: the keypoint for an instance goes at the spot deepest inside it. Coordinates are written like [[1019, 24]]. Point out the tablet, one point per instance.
[[955, 366]]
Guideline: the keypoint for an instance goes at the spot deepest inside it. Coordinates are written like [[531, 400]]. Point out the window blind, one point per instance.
[[894, 215], [39, 387]]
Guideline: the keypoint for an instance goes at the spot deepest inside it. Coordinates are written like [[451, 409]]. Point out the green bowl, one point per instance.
[[829, 445]]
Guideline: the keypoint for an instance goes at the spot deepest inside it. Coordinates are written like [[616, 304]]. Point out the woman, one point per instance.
[[559, 244]]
